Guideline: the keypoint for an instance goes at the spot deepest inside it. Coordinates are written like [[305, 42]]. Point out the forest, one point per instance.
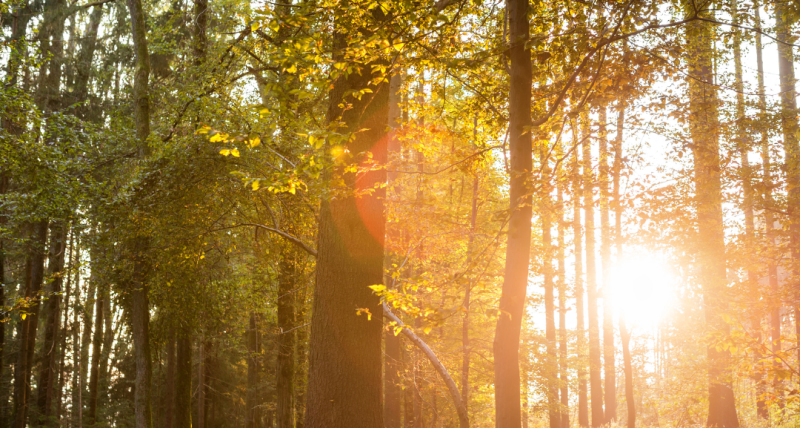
[[399, 213]]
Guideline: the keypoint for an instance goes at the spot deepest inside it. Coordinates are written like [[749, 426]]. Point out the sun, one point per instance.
[[642, 286]]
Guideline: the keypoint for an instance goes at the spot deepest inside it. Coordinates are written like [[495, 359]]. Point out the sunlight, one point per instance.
[[642, 285]]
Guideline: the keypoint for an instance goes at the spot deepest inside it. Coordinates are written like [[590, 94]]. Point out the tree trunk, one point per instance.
[[63, 338], [202, 374], [774, 302], [97, 346], [625, 334], [287, 282], [108, 341], [577, 232], [83, 65], [609, 364], [704, 128], [345, 342], [595, 363], [34, 276], [515, 282], [48, 358], [169, 382], [183, 379], [562, 295], [302, 359], [783, 21], [546, 214], [253, 350], [393, 391], [140, 310], [76, 413], [3, 387]]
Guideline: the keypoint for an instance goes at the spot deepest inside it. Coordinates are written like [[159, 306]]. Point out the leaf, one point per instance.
[[359, 311], [292, 69], [397, 330], [23, 316], [427, 329], [235, 152], [377, 287], [399, 46], [256, 184], [224, 152], [217, 138], [255, 142], [255, 26]]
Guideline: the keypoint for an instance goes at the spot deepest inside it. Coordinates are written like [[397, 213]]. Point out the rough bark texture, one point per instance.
[[609, 363], [345, 362], [34, 275], [704, 129], [595, 363], [183, 380], [577, 232], [515, 278], [50, 350]]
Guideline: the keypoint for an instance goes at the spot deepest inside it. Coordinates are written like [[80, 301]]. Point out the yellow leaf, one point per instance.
[[217, 137], [292, 69], [203, 130], [397, 330], [23, 316], [377, 288], [255, 142], [235, 152], [427, 329], [399, 46], [255, 26], [256, 184], [224, 152], [359, 311]]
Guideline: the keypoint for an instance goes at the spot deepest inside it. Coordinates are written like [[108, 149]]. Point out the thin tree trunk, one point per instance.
[[63, 338], [345, 341], [286, 337], [201, 385], [97, 346], [465, 359], [774, 301], [625, 334], [48, 358], [34, 276], [140, 310], [704, 128], [108, 341], [183, 379], [551, 362], [77, 346], [83, 64], [169, 382], [515, 282], [562, 294], [3, 388], [595, 363], [302, 359], [577, 232], [393, 391], [253, 414], [609, 364]]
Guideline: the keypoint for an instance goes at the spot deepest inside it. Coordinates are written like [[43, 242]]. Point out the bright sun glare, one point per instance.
[[643, 289]]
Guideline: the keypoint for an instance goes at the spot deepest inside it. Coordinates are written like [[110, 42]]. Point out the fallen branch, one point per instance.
[[463, 417]]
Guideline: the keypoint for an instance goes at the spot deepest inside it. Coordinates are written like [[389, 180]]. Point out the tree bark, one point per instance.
[[562, 294], [83, 64], [774, 302], [140, 311], [515, 282], [595, 363], [183, 379], [50, 350], [630, 400], [3, 388], [704, 130], [546, 214], [577, 232], [286, 337], [34, 276], [344, 344], [609, 363], [97, 346], [169, 382], [62, 374], [254, 349]]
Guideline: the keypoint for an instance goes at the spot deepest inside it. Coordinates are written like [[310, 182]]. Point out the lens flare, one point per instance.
[[642, 285]]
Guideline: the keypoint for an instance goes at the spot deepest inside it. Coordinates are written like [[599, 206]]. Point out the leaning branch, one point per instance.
[[463, 417], [291, 238]]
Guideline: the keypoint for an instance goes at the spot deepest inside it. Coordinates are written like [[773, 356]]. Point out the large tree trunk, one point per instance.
[[346, 326], [609, 363], [704, 128], [774, 303], [783, 21], [577, 232], [47, 370], [183, 379], [140, 310], [595, 363], [286, 337], [515, 282], [34, 275]]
